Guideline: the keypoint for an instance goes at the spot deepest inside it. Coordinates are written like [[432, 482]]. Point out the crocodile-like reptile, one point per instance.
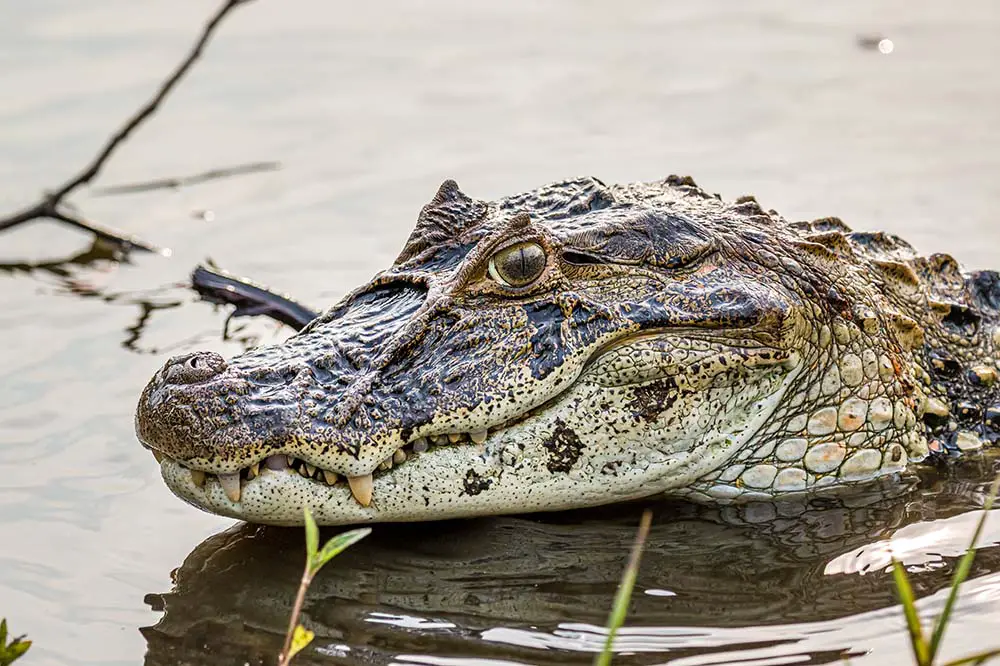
[[583, 344]]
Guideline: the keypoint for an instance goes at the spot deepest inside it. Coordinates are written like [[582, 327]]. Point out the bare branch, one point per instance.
[[150, 107], [124, 241], [48, 207], [250, 299]]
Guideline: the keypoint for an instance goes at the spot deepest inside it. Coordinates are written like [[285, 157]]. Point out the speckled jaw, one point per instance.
[[674, 406]]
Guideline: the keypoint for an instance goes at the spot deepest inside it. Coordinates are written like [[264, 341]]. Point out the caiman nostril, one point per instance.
[[192, 368]]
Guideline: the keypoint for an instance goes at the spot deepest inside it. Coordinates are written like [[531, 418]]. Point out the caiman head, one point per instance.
[[573, 346]]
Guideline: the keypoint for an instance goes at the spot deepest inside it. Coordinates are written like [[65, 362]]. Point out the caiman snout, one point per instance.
[[199, 406], [193, 368]]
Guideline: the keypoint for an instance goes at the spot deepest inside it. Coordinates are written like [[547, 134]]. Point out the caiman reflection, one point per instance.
[[714, 582], [585, 344]]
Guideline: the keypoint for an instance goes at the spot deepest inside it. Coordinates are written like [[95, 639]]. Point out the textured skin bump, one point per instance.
[[671, 343]]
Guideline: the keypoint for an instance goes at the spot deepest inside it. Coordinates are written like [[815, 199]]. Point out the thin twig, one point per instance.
[[293, 620], [122, 240], [183, 181], [50, 205]]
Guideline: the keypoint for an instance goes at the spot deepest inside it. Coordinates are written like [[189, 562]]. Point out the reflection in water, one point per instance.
[[79, 275], [537, 589]]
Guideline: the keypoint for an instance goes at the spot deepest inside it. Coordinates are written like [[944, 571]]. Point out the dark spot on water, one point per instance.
[[564, 447]]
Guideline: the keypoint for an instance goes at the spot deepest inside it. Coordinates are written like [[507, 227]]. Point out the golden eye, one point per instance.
[[518, 265]]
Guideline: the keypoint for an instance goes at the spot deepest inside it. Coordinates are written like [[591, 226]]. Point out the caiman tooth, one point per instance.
[[420, 445], [439, 439], [156, 454], [454, 437], [331, 477], [290, 460], [386, 464], [231, 484], [399, 456], [478, 436], [197, 477], [255, 469], [310, 470], [361, 488], [302, 471]]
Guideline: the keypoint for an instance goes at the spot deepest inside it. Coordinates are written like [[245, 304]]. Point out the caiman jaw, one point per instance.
[[533, 461], [361, 487]]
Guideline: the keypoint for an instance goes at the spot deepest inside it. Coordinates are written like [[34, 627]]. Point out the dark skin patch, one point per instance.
[[972, 402], [651, 400], [564, 447], [475, 484]]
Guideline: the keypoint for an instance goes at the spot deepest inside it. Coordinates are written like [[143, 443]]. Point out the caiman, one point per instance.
[[584, 344]]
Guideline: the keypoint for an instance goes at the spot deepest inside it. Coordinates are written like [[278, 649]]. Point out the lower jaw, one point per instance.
[[414, 491], [279, 497]]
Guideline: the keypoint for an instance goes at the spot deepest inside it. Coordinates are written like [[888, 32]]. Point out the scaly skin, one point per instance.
[[660, 340]]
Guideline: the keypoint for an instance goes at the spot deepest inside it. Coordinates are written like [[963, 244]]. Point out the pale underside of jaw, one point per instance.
[[281, 466], [428, 487]]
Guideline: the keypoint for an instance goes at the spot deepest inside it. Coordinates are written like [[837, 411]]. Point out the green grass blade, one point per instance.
[[3, 632], [337, 544], [624, 594], [14, 651], [312, 535], [921, 651], [961, 573], [975, 659]]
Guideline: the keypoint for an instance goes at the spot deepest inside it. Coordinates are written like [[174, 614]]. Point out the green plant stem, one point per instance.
[[962, 572], [620, 609], [918, 642], [975, 659], [293, 621]]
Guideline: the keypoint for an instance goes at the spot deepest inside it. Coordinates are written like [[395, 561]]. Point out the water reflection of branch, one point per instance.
[[211, 284], [62, 268], [52, 205], [183, 181]]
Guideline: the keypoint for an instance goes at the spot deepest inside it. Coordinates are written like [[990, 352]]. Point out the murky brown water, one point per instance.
[[369, 106]]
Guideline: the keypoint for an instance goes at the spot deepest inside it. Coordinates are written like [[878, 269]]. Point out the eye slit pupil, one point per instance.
[[519, 265]]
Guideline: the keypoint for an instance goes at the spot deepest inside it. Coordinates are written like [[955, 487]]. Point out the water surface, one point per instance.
[[369, 106]]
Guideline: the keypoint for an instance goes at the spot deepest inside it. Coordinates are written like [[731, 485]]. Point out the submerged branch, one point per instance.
[[250, 299]]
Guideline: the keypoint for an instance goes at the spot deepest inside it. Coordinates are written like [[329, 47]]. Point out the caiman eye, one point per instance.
[[518, 265]]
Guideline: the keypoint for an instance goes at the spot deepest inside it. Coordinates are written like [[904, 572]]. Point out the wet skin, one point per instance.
[[585, 344]]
